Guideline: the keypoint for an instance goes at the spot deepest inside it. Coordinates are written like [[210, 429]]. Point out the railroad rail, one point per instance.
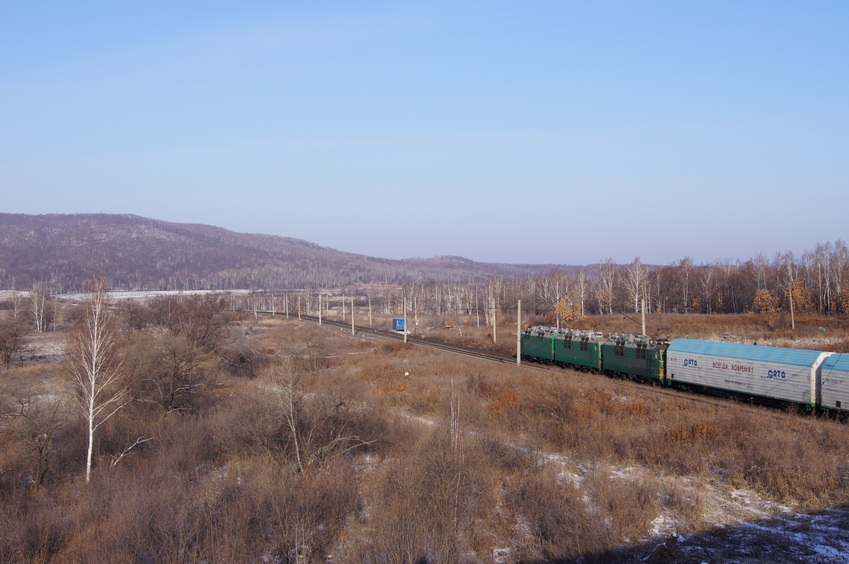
[[393, 336], [490, 356]]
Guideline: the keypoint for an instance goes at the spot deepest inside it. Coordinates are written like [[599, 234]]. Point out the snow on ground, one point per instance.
[[150, 294], [739, 525], [793, 537], [7, 295], [822, 342]]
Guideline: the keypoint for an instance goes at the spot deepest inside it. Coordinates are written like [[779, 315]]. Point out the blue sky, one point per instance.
[[524, 132]]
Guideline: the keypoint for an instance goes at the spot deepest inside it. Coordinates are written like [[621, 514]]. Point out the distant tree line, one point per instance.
[[812, 283]]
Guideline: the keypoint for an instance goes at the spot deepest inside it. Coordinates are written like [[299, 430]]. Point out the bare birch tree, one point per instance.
[[785, 266], [582, 290], [552, 290], [840, 266], [635, 282], [685, 269], [95, 372], [39, 307], [822, 269], [761, 270], [707, 285], [607, 284]]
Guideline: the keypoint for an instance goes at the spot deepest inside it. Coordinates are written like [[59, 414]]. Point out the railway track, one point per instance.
[[501, 358], [434, 344]]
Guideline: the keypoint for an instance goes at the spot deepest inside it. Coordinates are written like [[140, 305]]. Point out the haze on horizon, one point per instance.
[[549, 132]]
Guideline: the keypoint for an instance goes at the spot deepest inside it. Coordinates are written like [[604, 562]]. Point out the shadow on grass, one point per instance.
[[821, 537]]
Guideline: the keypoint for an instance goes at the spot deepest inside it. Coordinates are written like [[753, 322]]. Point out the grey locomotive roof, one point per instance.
[[799, 357]]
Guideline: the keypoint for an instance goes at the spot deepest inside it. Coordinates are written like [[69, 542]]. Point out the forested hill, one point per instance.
[[135, 253]]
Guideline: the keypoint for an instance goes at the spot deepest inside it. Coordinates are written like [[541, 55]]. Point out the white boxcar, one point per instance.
[[834, 390], [788, 375]]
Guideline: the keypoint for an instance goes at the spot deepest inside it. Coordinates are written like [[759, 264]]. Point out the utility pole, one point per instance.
[[644, 315], [477, 308], [519, 333], [319, 308], [415, 311], [494, 326], [405, 319], [792, 317], [353, 330]]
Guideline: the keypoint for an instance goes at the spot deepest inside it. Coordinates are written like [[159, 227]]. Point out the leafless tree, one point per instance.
[[785, 266], [494, 293], [707, 285], [35, 422], [761, 270], [93, 366], [40, 307], [552, 291], [685, 270], [635, 282], [168, 370], [725, 295], [656, 289], [582, 290], [17, 305], [607, 284], [840, 264], [819, 261], [13, 333], [315, 424]]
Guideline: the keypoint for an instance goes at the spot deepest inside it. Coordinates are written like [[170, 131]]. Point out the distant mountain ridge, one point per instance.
[[138, 253]]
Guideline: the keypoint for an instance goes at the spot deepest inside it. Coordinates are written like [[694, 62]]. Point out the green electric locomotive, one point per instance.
[[635, 356], [632, 356], [565, 347]]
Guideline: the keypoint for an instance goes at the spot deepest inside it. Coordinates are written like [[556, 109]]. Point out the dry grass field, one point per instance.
[[307, 444]]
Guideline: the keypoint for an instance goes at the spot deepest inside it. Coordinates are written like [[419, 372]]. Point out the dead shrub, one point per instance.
[[560, 523], [483, 386], [569, 521], [506, 458], [627, 505], [176, 508], [425, 502], [684, 505], [789, 464], [685, 433], [392, 347], [445, 472], [299, 516], [507, 400], [364, 345], [423, 400]]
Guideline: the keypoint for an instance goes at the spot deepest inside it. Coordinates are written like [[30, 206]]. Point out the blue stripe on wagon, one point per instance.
[[797, 357]]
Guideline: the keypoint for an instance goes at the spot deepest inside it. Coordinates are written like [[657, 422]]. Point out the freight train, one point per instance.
[[814, 380]]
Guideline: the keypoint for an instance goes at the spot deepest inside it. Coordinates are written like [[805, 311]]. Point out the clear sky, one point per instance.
[[527, 132]]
